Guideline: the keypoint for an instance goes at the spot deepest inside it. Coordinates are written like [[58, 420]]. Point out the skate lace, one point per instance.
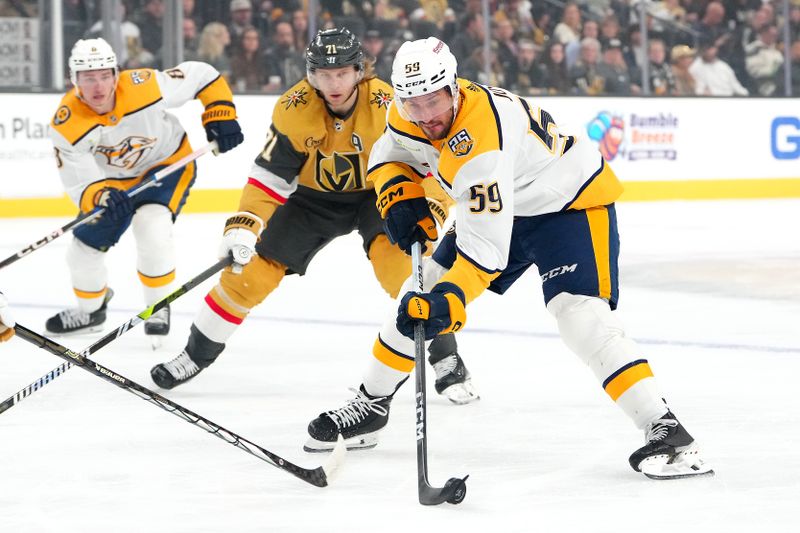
[[659, 429], [445, 366], [160, 317], [357, 410], [182, 367], [74, 318]]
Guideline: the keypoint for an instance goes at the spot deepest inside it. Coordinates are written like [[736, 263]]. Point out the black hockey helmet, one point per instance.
[[334, 48]]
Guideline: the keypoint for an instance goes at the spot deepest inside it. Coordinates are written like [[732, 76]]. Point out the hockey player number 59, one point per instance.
[[484, 197]]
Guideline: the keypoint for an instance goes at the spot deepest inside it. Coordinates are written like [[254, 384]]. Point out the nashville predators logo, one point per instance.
[[474, 88], [381, 99], [339, 172], [295, 98], [140, 76], [127, 153], [461, 143], [62, 115]]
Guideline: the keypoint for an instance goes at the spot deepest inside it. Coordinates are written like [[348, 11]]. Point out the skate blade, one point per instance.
[[361, 442], [77, 332], [682, 465], [461, 393]]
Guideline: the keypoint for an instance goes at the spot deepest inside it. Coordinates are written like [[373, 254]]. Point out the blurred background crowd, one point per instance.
[[584, 47]]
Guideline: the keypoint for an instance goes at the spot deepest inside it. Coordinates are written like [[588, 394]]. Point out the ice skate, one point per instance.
[[75, 321], [359, 422], [172, 373], [157, 327], [669, 453], [453, 380]]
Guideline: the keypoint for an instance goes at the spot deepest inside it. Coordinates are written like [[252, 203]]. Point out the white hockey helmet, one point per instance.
[[90, 54], [421, 68]]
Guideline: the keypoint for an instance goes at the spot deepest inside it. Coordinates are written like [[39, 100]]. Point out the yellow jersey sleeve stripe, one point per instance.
[[496, 117], [469, 277], [157, 281], [626, 377], [599, 229], [380, 174], [217, 90], [391, 358], [602, 188]]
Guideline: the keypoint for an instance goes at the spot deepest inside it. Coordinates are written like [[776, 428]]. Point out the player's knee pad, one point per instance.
[[590, 329], [257, 279], [152, 229], [391, 265]]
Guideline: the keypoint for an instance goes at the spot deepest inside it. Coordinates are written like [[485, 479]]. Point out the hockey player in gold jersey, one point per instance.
[[110, 132], [526, 195], [307, 187]]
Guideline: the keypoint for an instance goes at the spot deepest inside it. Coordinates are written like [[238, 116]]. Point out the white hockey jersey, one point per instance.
[[137, 135], [502, 159]]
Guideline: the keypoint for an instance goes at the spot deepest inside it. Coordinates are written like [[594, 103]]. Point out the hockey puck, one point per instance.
[[459, 489]]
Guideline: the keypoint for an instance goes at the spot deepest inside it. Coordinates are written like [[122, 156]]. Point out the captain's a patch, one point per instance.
[[461, 143]]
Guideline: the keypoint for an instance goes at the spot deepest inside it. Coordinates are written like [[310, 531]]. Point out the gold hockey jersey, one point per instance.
[[137, 135]]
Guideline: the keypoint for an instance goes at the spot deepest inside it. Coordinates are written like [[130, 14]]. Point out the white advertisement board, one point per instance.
[[644, 139]]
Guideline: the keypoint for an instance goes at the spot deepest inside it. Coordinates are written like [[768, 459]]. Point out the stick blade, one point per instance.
[[336, 459]]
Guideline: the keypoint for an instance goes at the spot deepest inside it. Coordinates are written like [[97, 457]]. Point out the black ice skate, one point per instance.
[[669, 453], [172, 373], [359, 422], [157, 326], [453, 380], [75, 321]]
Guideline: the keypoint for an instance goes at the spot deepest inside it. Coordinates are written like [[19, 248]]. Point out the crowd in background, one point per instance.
[[584, 47]]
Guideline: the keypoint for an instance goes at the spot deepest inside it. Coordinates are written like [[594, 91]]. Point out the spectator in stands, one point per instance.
[[190, 40], [584, 75], [189, 12], [214, 39], [507, 48], [712, 27], [241, 20], [662, 82], [468, 38], [764, 62], [300, 28], [518, 13], [474, 68], [794, 23], [131, 36], [713, 76], [609, 29], [556, 78], [572, 49], [794, 55], [151, 23], [530, 73], [286, 61], [249, 71], [375, 46], [569, 29], [682, 57], [614, 71], [635, 54]]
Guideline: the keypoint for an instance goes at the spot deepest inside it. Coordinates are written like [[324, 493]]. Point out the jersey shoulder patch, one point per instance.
[[297, 111], [136, 90], [379, 93], [73, 119]]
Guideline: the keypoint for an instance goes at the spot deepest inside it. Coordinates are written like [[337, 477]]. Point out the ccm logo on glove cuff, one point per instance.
[[398, 192], [419, 308]]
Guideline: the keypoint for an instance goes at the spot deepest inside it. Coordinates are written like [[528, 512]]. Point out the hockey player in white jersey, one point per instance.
[[6, 320], [111, 132], [525, 195]]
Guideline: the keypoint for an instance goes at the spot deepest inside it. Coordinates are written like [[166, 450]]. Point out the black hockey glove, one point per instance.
[[118, 204], [442, 311], [220, 123], [406, 216]]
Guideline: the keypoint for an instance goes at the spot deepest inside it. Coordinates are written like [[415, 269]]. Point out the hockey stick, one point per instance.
[[113, 335], [85, 218], [317, 476], [455, 489]]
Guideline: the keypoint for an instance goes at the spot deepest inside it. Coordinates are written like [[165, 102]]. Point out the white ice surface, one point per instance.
[[710, 289]]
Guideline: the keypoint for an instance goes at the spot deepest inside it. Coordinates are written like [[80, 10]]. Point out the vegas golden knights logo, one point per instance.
[[339, 172], [128, 152]]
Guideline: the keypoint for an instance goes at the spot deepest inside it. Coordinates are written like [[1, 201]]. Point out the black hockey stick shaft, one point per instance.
[[85, 218], [316, 476], [455, 488], [117, 333]]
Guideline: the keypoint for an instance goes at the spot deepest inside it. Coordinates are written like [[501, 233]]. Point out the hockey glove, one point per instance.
[[406, 216], [240, 236], [6, 321], [442, 311], [117, 203], [220, 123]]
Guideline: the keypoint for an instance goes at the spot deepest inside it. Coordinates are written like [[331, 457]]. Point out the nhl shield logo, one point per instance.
[[461, 143]]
